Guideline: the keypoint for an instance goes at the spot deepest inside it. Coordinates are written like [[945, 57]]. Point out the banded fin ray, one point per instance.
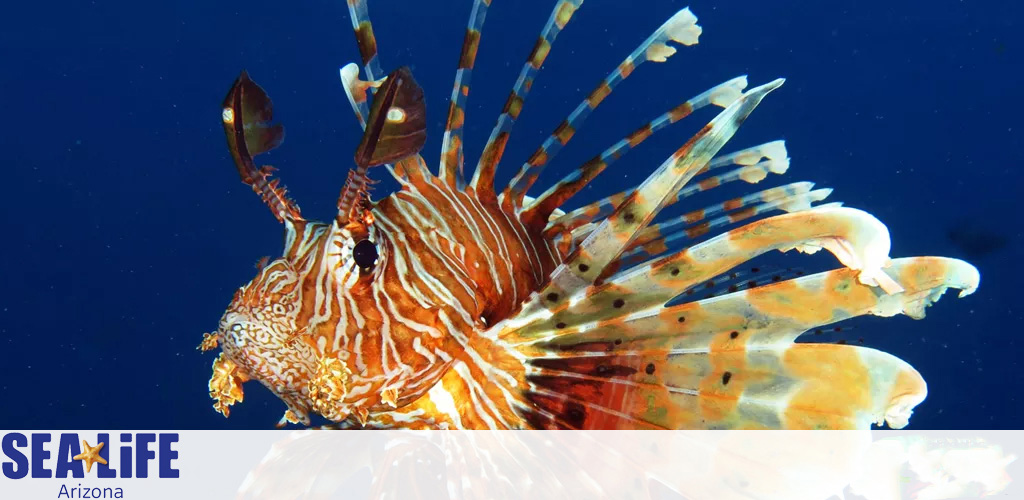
[[681, 28], [538, 211], [358, 91], [355, 89], [856, 238], [452, 160], [494, 149], [669, 235], [755, 165], [735, 280], [614, 234]]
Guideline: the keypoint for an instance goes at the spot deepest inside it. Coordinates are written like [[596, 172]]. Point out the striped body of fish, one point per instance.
[[452, 304]]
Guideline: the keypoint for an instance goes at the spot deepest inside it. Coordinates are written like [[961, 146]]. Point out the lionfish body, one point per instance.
[[450, 304]]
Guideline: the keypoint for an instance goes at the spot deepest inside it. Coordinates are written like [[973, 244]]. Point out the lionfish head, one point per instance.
[[262, 334], [261, 338]]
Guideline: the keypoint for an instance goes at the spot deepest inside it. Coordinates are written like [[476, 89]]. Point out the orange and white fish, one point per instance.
[[453, 304]]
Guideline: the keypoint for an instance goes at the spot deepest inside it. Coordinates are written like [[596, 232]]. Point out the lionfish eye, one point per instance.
[[365, 254]]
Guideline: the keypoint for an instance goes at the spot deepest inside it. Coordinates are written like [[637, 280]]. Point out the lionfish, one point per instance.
[[451, 304]]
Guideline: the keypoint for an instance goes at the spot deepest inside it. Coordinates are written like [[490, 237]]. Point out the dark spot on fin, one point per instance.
[[603, 366], [575, 415]]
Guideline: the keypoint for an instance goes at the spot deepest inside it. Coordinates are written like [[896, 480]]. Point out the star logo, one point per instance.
[[90, 455]]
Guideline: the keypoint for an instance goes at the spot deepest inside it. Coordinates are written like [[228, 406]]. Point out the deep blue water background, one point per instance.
[[126, 229]]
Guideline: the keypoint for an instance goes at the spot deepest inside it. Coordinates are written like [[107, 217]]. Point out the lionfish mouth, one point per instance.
[[225, 387], [243, 359]]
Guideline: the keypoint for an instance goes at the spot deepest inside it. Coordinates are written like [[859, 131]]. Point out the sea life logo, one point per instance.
[[45, 455]]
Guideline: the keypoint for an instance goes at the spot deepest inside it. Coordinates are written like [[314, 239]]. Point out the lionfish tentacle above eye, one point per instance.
[[680, 28], [540, 209], [483, 175], [396, 129], [451, 145], [246, 115]]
